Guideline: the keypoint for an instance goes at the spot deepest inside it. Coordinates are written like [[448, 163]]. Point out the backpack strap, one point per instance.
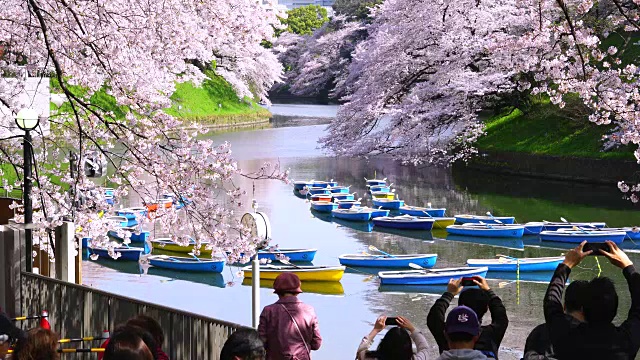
[[297, 328]]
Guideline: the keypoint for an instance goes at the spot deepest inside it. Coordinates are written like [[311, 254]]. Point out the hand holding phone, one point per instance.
[[595, 247], [391, 321], [468, 281]]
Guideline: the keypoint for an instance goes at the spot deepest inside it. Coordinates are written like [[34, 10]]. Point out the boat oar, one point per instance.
[[373, 248], [485, 224], [493, 218], [287, 262], [429, 215]]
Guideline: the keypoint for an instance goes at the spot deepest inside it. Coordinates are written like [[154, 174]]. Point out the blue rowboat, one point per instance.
[[299, 185], [347, 204], [464, 219], [421, 211], [633, 233], [376, 213], [126, 253], [404, 222], [353, 214], [132, 213], [554, 226], [109, 191], [318, 190], [429, 276], [511, 264], [385, 261], [85, 242], [388, 203], [323, 206], [109, 199], [294, 255], [379, 188], [118, 221], [577, 236], [343, 196], [533, 228], [499, 231], [374, 182], [187, 264], [324, 184], [142, 236], [339, 189]]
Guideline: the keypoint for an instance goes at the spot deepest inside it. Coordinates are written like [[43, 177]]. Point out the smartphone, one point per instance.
[[596, 247], [468, 281], [391, 321]]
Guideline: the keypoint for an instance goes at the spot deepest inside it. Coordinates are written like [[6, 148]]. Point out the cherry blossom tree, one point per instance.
[[132, 54]]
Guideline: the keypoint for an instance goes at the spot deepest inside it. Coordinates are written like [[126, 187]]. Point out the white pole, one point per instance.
[[255, 287]]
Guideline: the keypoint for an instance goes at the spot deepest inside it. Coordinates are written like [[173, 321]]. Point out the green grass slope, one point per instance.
[[545, 129]]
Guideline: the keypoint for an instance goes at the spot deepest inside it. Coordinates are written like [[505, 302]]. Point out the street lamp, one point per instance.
[[27, 119]]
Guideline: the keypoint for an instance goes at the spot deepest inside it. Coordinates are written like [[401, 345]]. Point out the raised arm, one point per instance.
[[618, 258], [499, 318], [436, 316], [417, 337], [368, 340]]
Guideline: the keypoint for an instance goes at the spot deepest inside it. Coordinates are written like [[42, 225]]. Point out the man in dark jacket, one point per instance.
[[597, 338], [479, 300], [538, 345]]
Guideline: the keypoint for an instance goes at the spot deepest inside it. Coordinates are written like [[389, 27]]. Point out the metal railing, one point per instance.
[[76, 310]]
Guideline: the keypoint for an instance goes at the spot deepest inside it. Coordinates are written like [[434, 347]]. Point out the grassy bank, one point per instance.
[[546, 129], [215, 103]]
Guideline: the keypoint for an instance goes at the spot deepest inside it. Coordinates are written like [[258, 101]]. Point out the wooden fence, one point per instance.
[[76, 311]]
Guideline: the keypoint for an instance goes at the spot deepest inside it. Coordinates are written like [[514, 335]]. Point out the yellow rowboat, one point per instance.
[[443, 222], [305, 273], [383, 195], [167, 244], [315, 287]]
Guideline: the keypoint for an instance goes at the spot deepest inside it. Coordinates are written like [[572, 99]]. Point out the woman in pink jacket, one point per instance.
[[289, 327]]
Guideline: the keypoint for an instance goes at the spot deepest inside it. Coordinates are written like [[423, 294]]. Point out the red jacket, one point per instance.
[[279, 334]]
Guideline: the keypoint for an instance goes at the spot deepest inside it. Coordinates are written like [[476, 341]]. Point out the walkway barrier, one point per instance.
[[76, 310]]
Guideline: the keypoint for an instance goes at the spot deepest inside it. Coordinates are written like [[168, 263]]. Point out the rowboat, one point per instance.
[[553, 226], [109, 191], [383, 195], [404, 222], [463, 219], [421, 211], [170, 245], [323, 206], [530, 228], [514, 231], [374, 182], [186, 263], [376, 213], [429, 276], [388, 203], [443, 222], [521, 264], [320, 197], [633, 233], [318, 190], [126, 253], [132, 213], [299, 185], [324, 184], [578, 236], [121, 221], [347, 204], [294, 255], [211, 279], [386, 261], [135, 237], [178, 201], [313, 273], [339, 189], [352, 214], [109, 199], [160, 203], [314, 287], [342, 196], [379, 188]]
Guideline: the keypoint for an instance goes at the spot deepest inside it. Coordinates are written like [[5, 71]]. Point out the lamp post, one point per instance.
[[27, 119]]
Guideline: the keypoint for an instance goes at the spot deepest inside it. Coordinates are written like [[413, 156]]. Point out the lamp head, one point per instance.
[[27, 119]]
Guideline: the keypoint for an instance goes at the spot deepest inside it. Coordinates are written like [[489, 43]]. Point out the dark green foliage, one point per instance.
[[354, 8]]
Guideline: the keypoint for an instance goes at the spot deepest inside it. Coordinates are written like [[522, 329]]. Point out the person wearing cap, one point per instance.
[[289, 328], [8, 328], [462, 330]]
